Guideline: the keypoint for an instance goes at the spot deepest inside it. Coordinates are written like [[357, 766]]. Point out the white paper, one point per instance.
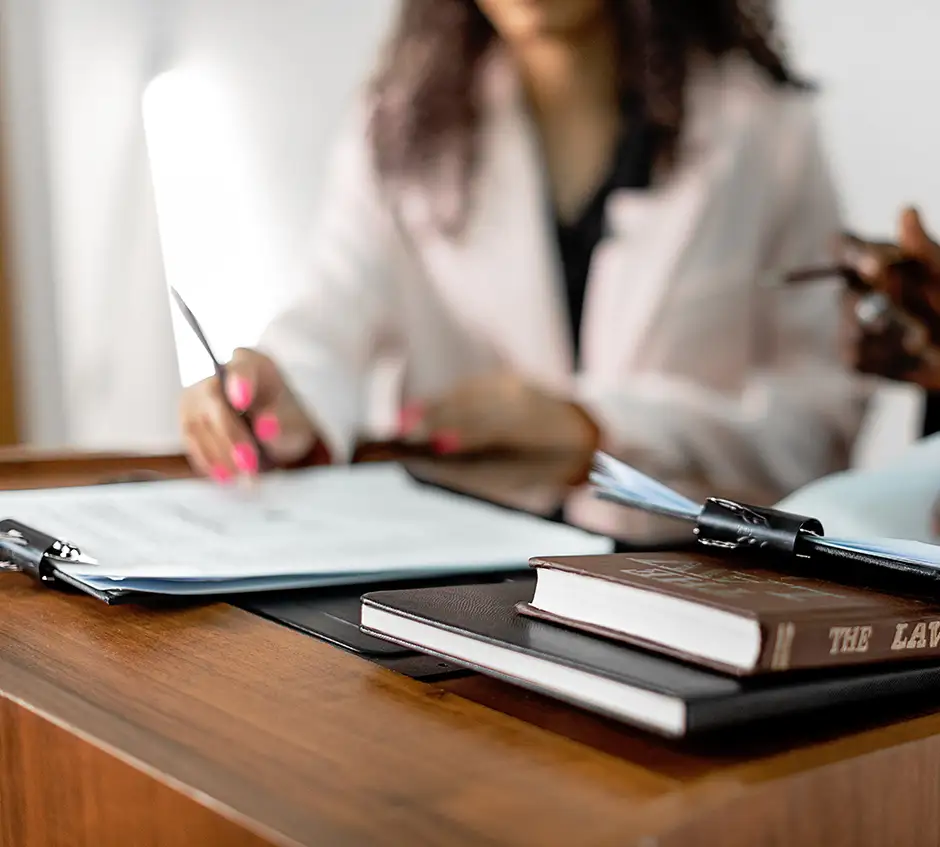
[[333, 524], [197, 587], [892, 501], [626, 485]]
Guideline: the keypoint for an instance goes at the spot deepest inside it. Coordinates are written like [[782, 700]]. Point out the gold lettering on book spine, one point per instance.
[[849, 639], [917, 636], [783, 645]]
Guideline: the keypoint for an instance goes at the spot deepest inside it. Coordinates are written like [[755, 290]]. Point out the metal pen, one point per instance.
[[264, 461]]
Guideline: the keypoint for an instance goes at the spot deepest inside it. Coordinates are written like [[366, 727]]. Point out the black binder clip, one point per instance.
[[30, 551], [737, 526]]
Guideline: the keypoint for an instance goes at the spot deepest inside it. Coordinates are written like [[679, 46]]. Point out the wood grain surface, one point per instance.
[[204, 725]]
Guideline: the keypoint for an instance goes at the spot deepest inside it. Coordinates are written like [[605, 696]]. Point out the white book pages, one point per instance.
[[894, 501]]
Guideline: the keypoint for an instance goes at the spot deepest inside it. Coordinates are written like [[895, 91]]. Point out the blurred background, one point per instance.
[[184, 141]]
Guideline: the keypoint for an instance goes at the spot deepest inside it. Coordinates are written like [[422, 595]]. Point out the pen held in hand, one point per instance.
[[816, 274], [887, 312], [848, 274], [264, 461]]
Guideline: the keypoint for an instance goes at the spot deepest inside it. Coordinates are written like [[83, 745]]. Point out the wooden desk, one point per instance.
[[209, 726]]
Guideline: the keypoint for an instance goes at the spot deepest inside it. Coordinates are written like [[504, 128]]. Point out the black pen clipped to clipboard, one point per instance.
[[770, 535]]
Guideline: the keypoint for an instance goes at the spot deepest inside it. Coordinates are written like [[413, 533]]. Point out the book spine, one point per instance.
[[791, 645]]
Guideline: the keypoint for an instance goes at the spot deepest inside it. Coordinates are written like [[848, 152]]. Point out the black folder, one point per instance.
[[478, 627]]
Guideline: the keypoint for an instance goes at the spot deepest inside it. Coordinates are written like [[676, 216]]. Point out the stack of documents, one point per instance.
[[325, 526]]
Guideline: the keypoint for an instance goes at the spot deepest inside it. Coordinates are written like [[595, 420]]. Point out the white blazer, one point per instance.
[[687, 361]]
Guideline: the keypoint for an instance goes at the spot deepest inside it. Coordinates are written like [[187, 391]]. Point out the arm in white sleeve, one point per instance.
[[325, 343], [800, 411]]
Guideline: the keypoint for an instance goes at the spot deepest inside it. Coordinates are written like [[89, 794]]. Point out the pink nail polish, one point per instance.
[[409, 417], [220, 473], [246, 459], [239, 393], [267, 427], [446, 442]]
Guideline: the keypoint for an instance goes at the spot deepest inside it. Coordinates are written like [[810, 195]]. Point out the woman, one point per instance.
[[557, 214]]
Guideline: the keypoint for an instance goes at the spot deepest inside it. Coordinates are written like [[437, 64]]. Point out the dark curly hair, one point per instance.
[[425, 97]]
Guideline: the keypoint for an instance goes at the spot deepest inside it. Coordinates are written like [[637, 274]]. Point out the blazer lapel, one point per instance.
[[649, 233], [502, 274]]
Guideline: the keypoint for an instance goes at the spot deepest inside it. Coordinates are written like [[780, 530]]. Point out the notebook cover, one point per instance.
[[805, 622], [334, 613], [713, 701]]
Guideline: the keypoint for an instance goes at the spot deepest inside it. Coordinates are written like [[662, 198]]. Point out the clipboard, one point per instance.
[[39, 555], [71, 542]]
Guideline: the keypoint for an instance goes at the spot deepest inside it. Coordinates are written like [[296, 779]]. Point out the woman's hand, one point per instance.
[[499, 412], [217, 441], [901, 350]]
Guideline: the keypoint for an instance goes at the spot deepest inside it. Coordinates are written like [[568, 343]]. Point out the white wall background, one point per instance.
[[86, 256], [26, 180], [284, 75], [96, 351], [72, 75], [879, 67]]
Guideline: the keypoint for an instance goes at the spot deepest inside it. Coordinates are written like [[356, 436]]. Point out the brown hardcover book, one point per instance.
[[703, 610]]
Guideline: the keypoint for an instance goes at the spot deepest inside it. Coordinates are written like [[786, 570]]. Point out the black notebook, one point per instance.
[[477, 627]]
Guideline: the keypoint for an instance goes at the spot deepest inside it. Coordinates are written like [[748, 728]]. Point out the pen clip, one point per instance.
[[26, 550], [739, 526]]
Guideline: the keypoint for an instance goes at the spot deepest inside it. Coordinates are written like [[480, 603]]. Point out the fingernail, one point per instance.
[[239, 393], [409, 417], [246, 459], [220, 473], [446, 442], [267, 427]]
